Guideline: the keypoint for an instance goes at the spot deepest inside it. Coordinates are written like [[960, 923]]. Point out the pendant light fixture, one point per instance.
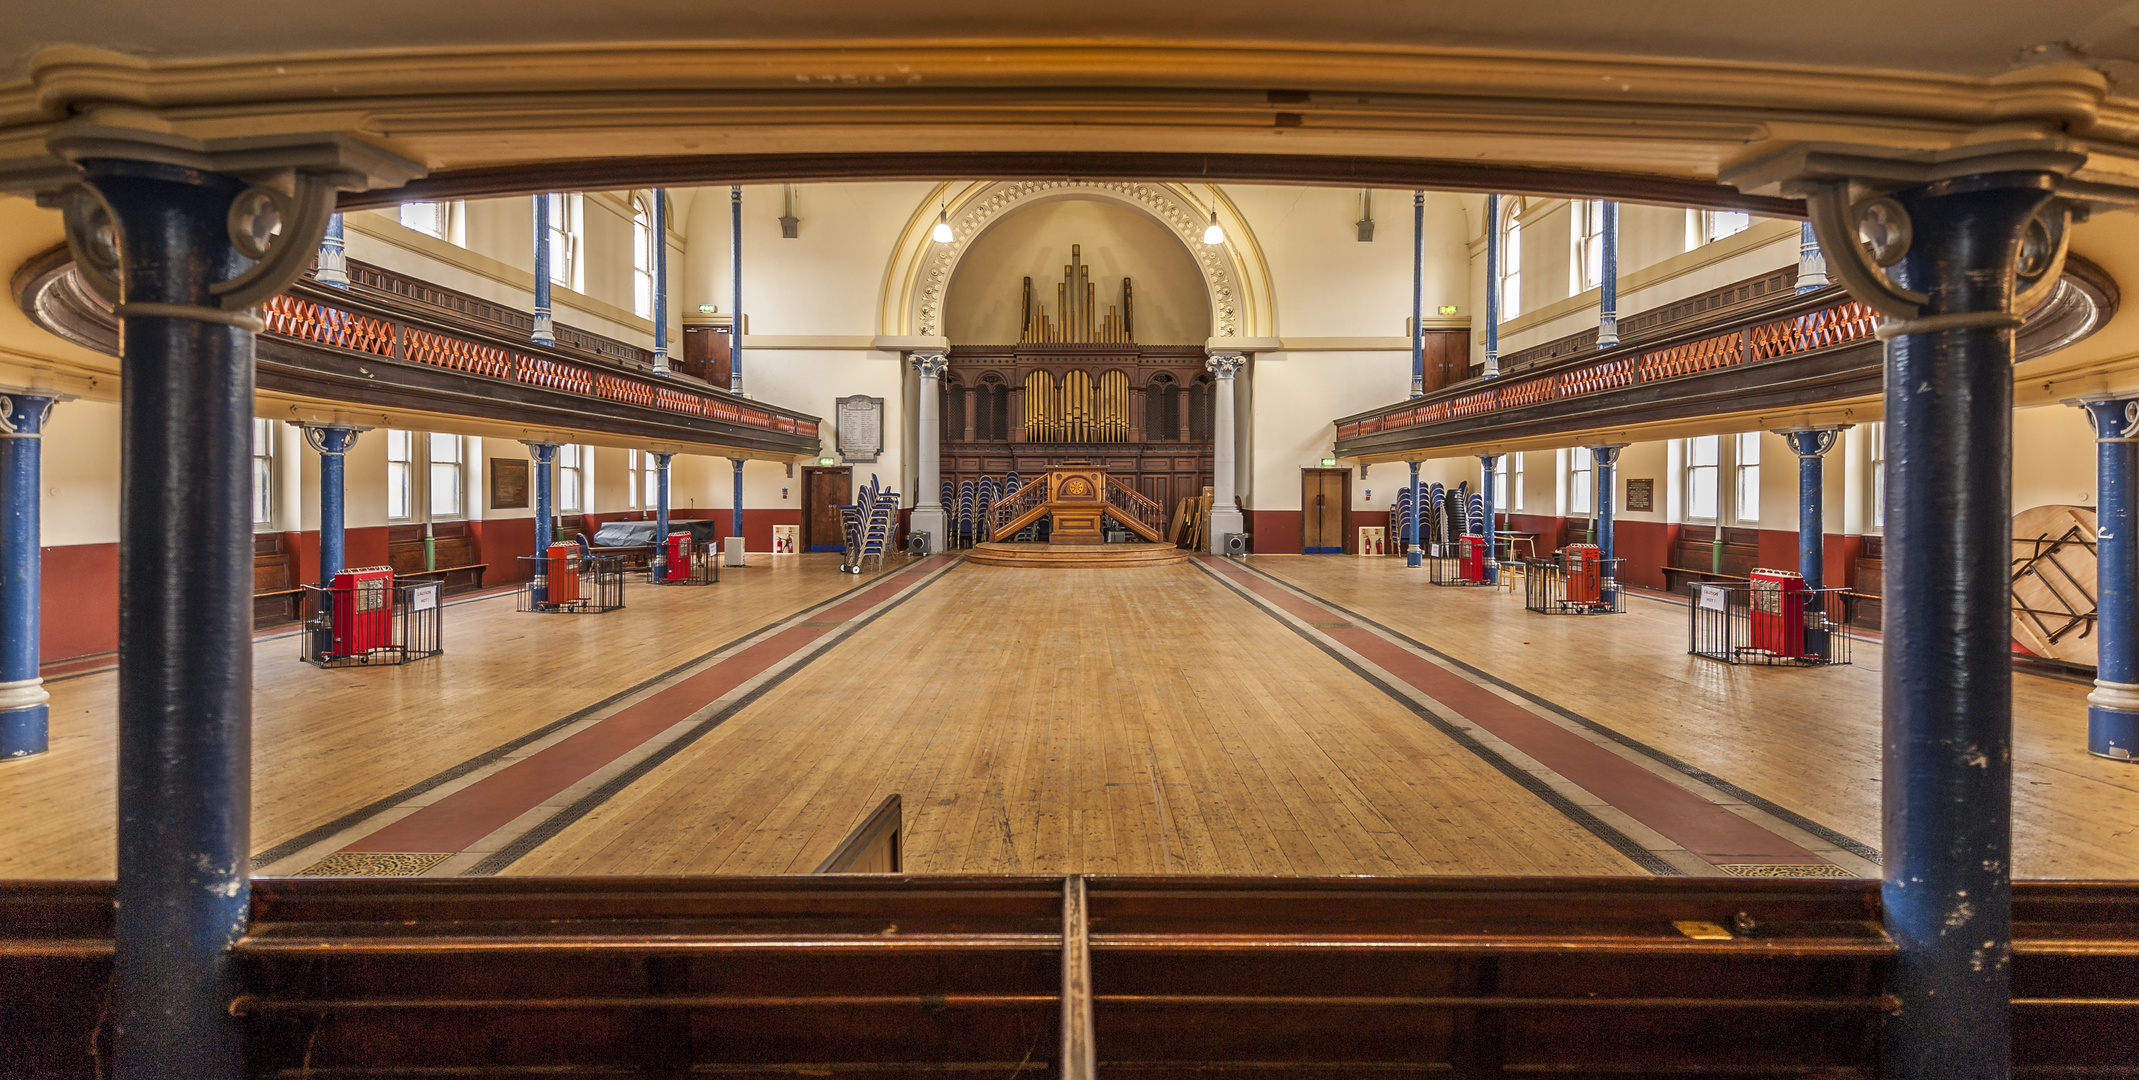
[[1214, 235], [942, 232]]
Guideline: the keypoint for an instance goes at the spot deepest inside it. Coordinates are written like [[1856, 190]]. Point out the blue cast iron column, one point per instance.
[[735, 307], [1811, 265], [1492, 287], [1486, 494], [545, 528], [658, 225], [1948, 676], [737, 514], [185, 653], [2113, 707], [660, 560], [24, 714], [545, 326], [1811, 446], [1414, 554], [333, 256], [1608, 280], [1418, 298], [1604, 463], [333, 443]]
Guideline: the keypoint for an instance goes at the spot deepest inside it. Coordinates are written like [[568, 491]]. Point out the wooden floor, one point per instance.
[[1147, 719]]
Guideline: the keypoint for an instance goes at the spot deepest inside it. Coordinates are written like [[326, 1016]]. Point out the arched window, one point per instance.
[[1511, 262], [642, 258], [567, 224], [992, 406], [1199, 409], [954, 409], [1162, 409]]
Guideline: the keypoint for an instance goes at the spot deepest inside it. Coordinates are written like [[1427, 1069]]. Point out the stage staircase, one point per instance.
[[1048, 493]]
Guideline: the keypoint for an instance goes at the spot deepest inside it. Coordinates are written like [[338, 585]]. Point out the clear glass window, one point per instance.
[[400, 475], [566, 219], [1511, 270], [650, 483], [569, 477], [1702, 458], [1586, 225], [263, 472], [1718, 224], [1515, 486], [428, 218], [642, 259], [1580, 479], [445, 475], [1875, 436], [1747, 462], [1500, 482]]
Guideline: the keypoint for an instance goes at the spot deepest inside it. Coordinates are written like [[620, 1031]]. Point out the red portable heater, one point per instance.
[[678, 556], [363, 611], [562, 573], [1778, 613], [1584, 561], [1473, 559]]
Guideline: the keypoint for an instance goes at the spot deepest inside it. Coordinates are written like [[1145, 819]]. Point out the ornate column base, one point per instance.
[[24, 718], [1224, 519], [932, 522], [2113, 721]]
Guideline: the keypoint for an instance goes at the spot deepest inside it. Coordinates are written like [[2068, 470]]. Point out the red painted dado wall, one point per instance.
[[79, 601]]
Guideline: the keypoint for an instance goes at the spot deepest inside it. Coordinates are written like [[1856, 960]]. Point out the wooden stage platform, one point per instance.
[[1078, 556]]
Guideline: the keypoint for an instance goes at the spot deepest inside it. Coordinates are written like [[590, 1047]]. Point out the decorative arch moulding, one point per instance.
[[1236, 280]]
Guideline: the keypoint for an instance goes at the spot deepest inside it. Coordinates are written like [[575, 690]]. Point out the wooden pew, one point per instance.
[[276, 597], [459, 565], [909, 977]]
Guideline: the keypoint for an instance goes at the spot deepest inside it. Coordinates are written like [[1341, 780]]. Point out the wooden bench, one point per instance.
[[451, 579], [1676, 576]]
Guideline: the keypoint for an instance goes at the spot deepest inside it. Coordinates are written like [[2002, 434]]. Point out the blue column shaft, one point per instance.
[[738, 511], [1485, 489], [735, 305], [185, 630], [1418, 298], [1492, 285], [25, 724], [2112, 711], [543, 334], [331, 502], [545, 531], [659, 224], [661, 462], [1811, 524], [1413, 553], [1947, 702]]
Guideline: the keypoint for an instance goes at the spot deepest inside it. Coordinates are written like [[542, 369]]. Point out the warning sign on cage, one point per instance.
[[423, 598], [1712, 597]]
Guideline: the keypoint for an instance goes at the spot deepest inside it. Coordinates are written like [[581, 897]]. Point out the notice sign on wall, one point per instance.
[[860, 427], [1641, 494], [508, 484]]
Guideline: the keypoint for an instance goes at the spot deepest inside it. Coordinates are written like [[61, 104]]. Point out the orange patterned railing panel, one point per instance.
[[1839, 325], [446, 351], [1694, 357], [1609, 375], [1474, 403], [1528, 392], [305, 320]]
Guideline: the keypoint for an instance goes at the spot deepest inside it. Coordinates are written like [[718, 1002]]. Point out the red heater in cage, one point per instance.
[[1473, 559], [363, 619], [678, 555], [562, 573], [1584, 580], [1778, 613]]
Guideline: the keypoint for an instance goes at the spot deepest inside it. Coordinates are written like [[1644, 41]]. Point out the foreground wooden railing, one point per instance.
[[1164, 976], [1007, 518], [1134, 509]]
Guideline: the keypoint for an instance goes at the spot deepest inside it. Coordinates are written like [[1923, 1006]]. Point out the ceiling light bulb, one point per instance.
[[1214, 235], [942, 231]]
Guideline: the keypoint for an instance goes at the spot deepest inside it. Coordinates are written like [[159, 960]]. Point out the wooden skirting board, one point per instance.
[[1080, 556]]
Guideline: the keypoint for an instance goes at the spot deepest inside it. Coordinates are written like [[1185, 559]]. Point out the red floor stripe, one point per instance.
[[1692, 822], [481, 808]]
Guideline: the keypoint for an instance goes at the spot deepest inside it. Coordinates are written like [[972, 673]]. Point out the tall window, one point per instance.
[[1717, 224], [642, 259], [570, 476], [1702, 459], [1580, 479], [1586, 226], [1746, 459], [428, 218], [1875, 434], [263, 472], [400, 475], [1515, 486], [1511, 269], [445, 457], [650, 482], [566, 218], [643, 486]]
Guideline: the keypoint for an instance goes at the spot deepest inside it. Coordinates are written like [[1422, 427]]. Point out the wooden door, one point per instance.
[[823, 490], [1324, 494]]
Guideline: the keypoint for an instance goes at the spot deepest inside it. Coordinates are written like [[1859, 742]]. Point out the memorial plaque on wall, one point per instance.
[[508, 484], [860, 427], [1641, 494]]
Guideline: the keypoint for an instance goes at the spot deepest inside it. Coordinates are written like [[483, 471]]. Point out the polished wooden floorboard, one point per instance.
[[327, 742], [1808, 739], [1080, 721]]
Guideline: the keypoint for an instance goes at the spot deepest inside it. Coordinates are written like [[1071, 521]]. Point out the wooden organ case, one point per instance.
[[1075, 387]]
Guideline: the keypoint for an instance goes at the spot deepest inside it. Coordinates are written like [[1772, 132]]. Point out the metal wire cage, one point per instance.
[[1567, 584], [572, 584], [376, 623], [701, 567], [1464, 562], [1762, 623]]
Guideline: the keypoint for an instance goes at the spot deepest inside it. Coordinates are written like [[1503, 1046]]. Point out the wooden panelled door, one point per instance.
[[823, 490], [1324, 493]]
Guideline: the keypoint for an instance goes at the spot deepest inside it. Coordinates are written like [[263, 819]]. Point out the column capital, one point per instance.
[[278, 220], [543, 450], [320, 436], [929, 364], [1607, 454], [23, 412], [1225, 364], [2115, 419], [1812, 441]]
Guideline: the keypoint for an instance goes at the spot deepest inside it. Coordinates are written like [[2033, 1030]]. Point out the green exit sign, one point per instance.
[[1329, 463], [705, 309], [824, 461]]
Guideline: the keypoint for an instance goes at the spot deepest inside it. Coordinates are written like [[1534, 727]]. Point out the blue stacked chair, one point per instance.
[[877, 526], [1437, 516], [984, 500], [964, 529]]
